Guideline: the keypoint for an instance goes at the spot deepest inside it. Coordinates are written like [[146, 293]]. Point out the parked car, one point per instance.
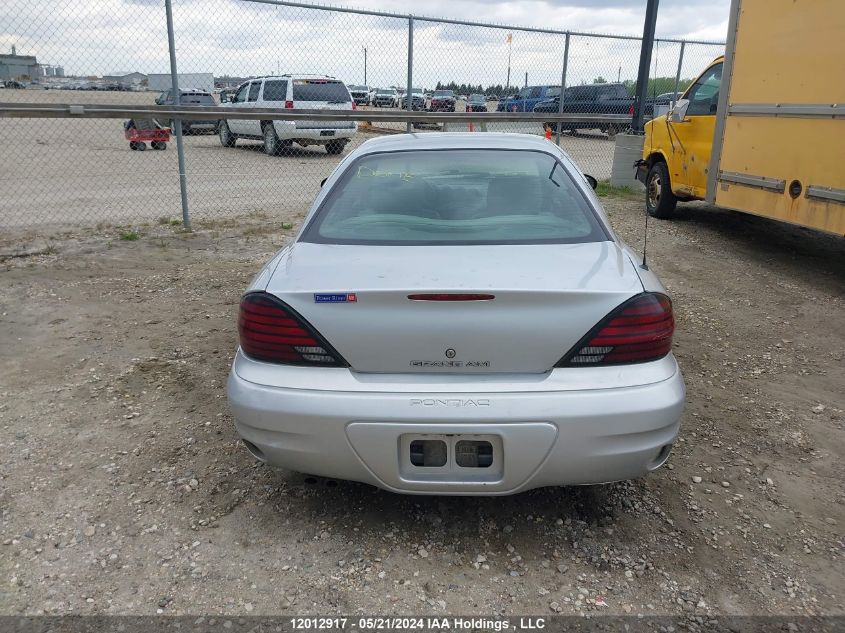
[[371, 351], [527, 98], [292, 92], [442, 101], [190, 97], [385, 98], [417, 100], [360, 94], [476, 103], [595, 99], [492, 98]]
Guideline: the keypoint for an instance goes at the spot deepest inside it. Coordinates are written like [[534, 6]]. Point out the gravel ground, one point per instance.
[[125, 491], [87, 174]]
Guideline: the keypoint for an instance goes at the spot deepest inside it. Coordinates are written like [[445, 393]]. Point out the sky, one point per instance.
[[238, 37]]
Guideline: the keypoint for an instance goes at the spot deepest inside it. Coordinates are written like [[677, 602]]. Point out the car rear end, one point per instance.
[[442, 101], [474, 329], [198, 99], [316, 93]]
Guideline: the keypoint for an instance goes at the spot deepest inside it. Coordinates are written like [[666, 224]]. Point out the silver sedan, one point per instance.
[[456, 316]]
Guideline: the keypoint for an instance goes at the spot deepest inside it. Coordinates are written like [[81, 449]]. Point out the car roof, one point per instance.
[[454, 140]]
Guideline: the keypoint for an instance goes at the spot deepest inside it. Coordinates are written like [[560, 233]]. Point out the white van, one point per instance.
[[291, 92]]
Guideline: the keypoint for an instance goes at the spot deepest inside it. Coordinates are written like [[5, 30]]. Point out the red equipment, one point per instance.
[[140, 131]]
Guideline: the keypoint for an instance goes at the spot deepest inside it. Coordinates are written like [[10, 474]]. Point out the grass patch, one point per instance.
[[164, 220], [287, 226], [128, 236], [604, 189]]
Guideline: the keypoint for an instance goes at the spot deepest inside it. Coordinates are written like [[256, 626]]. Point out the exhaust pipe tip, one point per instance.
[[254, 451], [661, 458]]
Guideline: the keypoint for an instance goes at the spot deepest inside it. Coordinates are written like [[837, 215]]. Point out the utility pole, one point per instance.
[[526, 79], [645, 62], [365, 67], [510, 46]]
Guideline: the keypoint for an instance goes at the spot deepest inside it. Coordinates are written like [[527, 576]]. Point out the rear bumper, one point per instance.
[[287, 130], [545, 438]]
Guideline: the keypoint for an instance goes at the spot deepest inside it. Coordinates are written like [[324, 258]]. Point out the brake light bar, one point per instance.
[[449, 296]]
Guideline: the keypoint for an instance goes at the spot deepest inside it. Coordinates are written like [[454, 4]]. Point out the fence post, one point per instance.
[[678, 76], [177, 123], [563, 85], [409, 99]]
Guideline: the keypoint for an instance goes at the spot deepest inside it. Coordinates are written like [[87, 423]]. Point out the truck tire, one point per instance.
[[227, 139], [660, 202], [335, 147], [272, 146]]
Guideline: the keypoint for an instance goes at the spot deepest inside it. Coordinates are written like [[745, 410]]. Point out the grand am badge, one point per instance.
[[343, 297]]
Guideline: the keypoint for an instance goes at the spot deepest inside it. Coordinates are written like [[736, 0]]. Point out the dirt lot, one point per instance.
[[124, 488], [88, 174]]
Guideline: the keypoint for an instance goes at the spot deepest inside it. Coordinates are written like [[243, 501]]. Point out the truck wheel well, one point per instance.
[[655, 158]]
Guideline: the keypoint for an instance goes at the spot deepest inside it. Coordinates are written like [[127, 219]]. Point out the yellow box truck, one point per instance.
[[762, 129]]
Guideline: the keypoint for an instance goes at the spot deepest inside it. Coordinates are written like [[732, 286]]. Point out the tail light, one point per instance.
[[288, 105], [631, 109], [270, 331], [638, 331], [354, 105]]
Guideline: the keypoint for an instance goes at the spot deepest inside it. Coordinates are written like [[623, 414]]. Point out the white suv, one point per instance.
[[315, 92]]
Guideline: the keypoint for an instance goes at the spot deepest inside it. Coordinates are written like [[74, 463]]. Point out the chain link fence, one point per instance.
[[61, 168]]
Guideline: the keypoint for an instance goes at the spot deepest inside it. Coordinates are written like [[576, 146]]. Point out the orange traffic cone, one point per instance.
[[548, 134]]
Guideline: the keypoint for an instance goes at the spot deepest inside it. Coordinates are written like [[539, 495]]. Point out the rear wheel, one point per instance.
[[227, 139], [659, 200], [335, 147], [272, 147], [612, 131]]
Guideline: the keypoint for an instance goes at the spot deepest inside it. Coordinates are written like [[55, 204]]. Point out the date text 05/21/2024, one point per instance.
[[417, 623]]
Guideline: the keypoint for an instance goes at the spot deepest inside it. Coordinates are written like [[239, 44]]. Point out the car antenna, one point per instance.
[[644, 265]]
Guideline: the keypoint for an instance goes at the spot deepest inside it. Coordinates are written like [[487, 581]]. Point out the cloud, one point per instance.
[[246, 38]]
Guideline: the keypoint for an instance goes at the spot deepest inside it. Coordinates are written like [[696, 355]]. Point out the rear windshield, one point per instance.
[[198, 99], [455, 197], [320, 90], [443, 93]]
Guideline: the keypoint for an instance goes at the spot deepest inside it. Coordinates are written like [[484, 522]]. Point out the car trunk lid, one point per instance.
[[545, 299]]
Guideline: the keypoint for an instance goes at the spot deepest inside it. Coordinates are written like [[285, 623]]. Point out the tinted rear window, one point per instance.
[[198, 100], [275, 90], [319, 90], [455, 197]]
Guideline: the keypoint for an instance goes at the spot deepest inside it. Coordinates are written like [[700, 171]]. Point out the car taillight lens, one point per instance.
[[354, 105], [288, 105], [272, 332], [638, 331], [631, 109]]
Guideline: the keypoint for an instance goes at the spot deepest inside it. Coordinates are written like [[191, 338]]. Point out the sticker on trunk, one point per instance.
[[343, 297]]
